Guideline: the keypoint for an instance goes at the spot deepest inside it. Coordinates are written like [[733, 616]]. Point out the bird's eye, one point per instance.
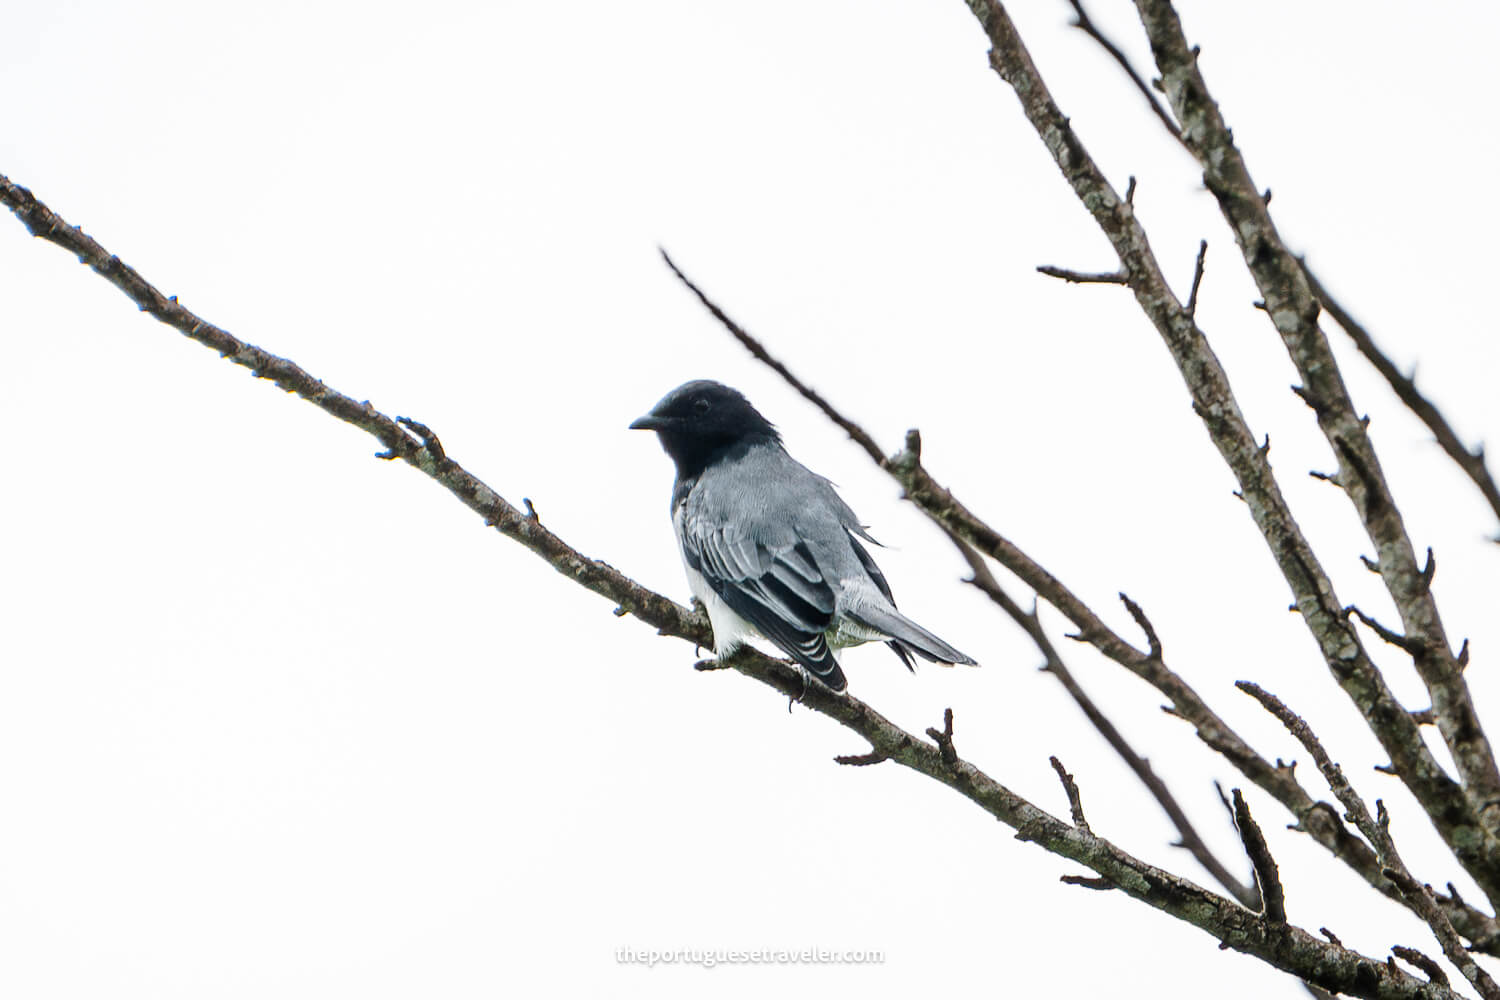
[[700, 406]]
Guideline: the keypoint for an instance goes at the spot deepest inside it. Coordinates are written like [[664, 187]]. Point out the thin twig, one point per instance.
[[1082, 21], [861, 759], [944, 739], [1085, 277], [1089, 882], [1152, 641], [1434, 971], [1391, 636], [1070, 788], [854, 431], [1188, 837], [1192, 302], [1405, 387], [1267, 875]]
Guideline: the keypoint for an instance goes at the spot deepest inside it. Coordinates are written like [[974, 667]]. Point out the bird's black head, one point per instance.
[[699, 421]]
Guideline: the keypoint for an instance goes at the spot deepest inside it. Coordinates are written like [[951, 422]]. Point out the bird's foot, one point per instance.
[[710, 665], [797, 700]]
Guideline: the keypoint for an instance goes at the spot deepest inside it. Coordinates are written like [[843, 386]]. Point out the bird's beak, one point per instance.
[[650, 422]]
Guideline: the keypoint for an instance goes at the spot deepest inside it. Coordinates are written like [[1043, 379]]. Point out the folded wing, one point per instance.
[[778, 588]]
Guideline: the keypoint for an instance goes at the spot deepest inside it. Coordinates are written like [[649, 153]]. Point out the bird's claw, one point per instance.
[[790, 701]]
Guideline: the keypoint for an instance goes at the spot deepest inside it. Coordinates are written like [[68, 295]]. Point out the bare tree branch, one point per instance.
[[1471, 462], [1318, 819], [1283, 946], [1084, 277], [1453, 813], [1293, 307], [1267, 875], [944, 739], [1420, 898], [1191, 308], [1405, 387], [853, 430], [1465, 813], [598, 576], [1152, 641], [1188, 837], [1081, 21], [1433, 970], [1070, 789], [1388, 635], [1097, 883]]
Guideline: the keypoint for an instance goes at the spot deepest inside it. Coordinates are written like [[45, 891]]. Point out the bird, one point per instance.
[[769, 547]]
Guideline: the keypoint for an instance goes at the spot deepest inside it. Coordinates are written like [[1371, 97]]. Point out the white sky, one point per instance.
[[279, 719]]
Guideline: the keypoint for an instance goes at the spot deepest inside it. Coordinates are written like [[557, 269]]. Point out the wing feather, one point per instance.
[[776, 588]]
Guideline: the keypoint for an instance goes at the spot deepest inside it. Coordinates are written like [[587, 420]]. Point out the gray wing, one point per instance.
[[773, 583]]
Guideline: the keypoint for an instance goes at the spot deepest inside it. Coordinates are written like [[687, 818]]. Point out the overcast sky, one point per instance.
[[278, 719]]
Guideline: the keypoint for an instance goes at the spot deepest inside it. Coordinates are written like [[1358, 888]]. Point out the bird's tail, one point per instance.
[[827, 670], [907, 635]]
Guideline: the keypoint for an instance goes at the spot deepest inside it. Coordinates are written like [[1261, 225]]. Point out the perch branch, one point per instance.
[[1315, 818], [1289, 948]]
